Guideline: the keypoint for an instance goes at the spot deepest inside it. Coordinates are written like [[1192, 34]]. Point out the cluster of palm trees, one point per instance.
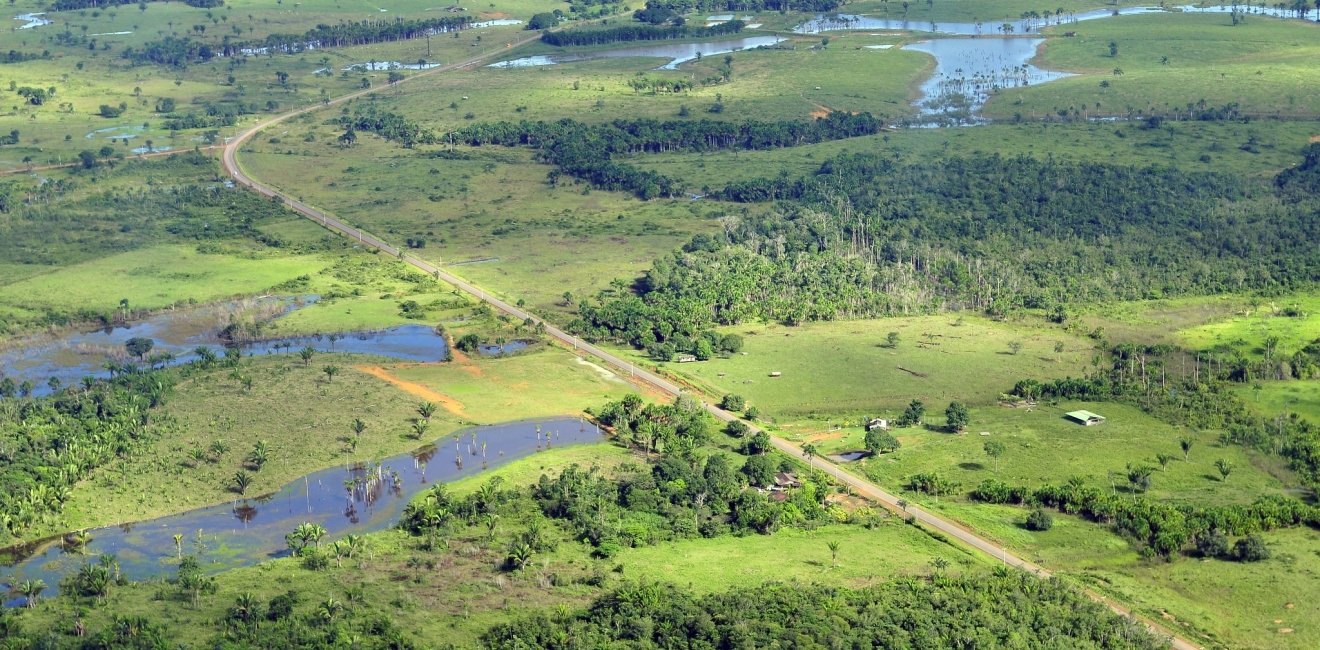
[[307, 536], [255, 460]]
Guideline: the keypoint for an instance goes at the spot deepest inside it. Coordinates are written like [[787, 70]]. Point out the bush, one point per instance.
[[1039, 520], [1251, 549], [737, 429], [1212, 543], [733, 402]]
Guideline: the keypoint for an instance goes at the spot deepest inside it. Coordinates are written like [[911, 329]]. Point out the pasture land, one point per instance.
[[1216, 603], [211, 405], [86, 67], [1300, 396], [1169, 63], [843, 371], [459, 589], [1040, 446], [791, 81], [490, 216], [155, 277], [1293, 319]]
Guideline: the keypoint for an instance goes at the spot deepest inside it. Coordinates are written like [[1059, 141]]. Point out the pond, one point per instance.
[[969, 70], [501, 349], [73, 355], [677, 53], [33, 20], [354, 499], [850, 456]]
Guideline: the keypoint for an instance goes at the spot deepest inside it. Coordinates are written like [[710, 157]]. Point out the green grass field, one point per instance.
[[1264, 66], [156, 277], [1247, 330], [492, 218], [1215, 603], [87, 78], [841, 371], [1300, 396], [1043, 447], [206, 407]]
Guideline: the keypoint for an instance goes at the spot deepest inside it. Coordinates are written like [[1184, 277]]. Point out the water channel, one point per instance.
[[353, 499], [179, 334]]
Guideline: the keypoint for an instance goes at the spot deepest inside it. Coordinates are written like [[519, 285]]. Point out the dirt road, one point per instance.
[[626, 368]]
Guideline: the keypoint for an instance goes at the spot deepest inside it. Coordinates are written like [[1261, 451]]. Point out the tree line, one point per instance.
[[626, 33], [584, 150], [871, 234], [180, 52]]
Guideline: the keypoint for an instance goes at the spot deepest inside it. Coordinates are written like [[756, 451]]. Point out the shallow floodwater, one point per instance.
[[969, 70], [844, 22], [75, 355], [345, 500], [501, 349], [33, 20], [677, 53]]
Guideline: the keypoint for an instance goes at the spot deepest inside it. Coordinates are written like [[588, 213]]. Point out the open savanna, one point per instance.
[[1218, 604], [842, 371], [491, 217], [87, 78], [1193, 146], [1043, 447], [1264, 66], [792, 81], [212, 404]]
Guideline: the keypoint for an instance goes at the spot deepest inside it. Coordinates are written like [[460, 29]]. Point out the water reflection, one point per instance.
[[356, 498]]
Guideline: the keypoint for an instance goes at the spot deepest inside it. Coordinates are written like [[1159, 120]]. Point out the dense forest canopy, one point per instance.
[[1006, 609], [870, 235]]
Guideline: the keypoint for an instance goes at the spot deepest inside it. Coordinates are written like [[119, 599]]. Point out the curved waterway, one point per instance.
[[354, 499], [179, 334]]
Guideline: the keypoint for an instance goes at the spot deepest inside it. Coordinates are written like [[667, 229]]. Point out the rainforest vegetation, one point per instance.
[[869, 235]]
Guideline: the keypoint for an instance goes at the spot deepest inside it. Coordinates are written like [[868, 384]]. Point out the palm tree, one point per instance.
[[178, 545], [306, 355], [329, 610], [330, 372], [426, 410], [809, 450], [218, 449], [834, 551], [241, 482], [31, 591], [259, 455], [1225, 468], [246, 609], [419, 428], [79, 540], [358, 426]]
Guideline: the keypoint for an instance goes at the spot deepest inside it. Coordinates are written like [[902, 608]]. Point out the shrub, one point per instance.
[[1039, 520]]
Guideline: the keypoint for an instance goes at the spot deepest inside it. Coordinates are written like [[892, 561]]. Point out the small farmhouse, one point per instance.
[[1084, 417], [877, 423]]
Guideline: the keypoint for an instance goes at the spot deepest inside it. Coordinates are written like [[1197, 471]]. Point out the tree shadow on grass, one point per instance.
[[974, 467]]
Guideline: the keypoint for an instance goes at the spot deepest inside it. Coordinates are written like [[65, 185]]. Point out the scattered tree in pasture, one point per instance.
[[957, 416], [330, 372]]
